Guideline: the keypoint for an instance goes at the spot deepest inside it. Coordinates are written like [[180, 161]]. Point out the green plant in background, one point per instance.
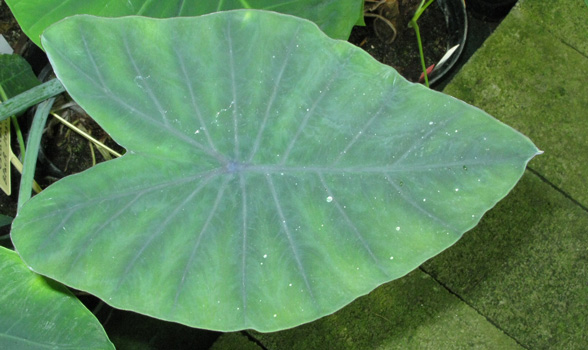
[[378, 9], [36, 312], [16, 76], [413, 23], [272, 174], [334, 17]]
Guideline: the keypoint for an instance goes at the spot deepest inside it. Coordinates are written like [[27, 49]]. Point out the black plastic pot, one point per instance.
[[490, 10], [457, 26]]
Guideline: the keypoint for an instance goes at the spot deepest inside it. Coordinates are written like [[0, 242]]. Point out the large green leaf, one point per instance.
[[36, 313], [335, 17], [272, 176]]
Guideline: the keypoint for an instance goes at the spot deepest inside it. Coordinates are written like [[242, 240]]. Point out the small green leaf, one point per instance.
[[37, 313], [16, 75], [5, 220], [334, 17], [272, 176]]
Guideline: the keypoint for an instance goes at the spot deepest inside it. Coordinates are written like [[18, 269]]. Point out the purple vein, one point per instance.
[[244, 244], [161, 228], [420, 208], [174, 132], [234, 91], [350, 223], [92, 60], [211, 215], [310, 112], [50, 236], [422, 139], [286, 229], [121, 194], [203, 125], [273, 169], [273, 96], [146, 117], [145, 85], [90, 236], [359, 134]]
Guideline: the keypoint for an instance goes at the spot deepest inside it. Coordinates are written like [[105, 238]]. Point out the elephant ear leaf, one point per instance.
[[334, 17], [37, 313], [272, 174]]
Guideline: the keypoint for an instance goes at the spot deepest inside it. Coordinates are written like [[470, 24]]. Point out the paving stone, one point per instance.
[[234, 341], [413, 312], [567, 20], [527, 77], [524, 267]]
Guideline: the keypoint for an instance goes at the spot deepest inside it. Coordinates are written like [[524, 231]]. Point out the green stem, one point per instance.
[[421, 53], [420, 10], [413, 23]]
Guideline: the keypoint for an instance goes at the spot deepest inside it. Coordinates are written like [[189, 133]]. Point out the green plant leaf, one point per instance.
[[16, 75], [33, 145], [29, 98], [5, 220], [272, 176], [334, 17], [38, 313]]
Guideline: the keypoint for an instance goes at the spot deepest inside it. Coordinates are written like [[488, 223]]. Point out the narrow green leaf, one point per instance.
[[29, 98], [334, 17], [272, 176], [33, 144], [37, 313]]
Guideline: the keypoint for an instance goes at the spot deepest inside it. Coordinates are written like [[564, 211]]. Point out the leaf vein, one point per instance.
[[160, 230], [350, 223], [310, 112], [420, 208], [291, 243], [211, 214], [273, 95]]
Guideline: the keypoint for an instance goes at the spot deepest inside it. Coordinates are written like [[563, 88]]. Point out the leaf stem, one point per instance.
[[413, 23]]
